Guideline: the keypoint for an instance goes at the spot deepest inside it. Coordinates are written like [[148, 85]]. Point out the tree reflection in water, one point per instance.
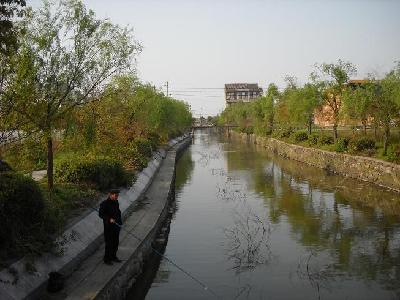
[[319, 277], [349, 229], [248, 240], [244, 291]]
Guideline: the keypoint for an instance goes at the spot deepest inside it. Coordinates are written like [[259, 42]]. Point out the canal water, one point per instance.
[[250, 225]]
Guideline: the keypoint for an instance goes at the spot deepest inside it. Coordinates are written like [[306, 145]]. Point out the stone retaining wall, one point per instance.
[[368, 169]]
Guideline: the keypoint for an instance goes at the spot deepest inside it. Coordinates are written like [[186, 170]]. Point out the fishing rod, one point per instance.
[[187, 273]]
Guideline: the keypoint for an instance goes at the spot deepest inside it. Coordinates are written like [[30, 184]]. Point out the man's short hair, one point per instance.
[[114, 191]]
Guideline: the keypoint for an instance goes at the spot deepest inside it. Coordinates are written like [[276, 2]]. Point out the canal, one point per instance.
[[254, 226]]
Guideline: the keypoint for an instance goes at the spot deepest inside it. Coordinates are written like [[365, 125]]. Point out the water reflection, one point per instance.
[[350, 228], [184, 170]]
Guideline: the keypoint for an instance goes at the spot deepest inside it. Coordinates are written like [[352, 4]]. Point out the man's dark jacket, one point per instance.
[[109, 209]]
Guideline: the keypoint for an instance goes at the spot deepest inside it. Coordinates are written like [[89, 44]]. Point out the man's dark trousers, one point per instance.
[[111, 238]]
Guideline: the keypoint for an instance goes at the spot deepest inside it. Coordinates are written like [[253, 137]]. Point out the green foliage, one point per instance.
[[371, 102], [313, 139], [361, 144], [341, 144], [65, 56], [300, 136], [297, 104], [129, 122], [333, 78], [324, 139], [27, 155], [283, 132], [21, 211], [357, 102], [143, 146], [9, 9], [103, 172], [30, 220], [393, 153]]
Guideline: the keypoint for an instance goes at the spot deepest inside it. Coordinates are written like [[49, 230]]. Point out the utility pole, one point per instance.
[[167, 89]]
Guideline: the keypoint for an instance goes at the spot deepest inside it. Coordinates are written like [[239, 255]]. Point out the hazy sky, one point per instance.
[[205, 44]]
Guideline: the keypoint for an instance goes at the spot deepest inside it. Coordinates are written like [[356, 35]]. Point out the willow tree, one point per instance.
[[302, 103], [386, 103], [268, 106], [357, 102], [334, 78], [65, 57]]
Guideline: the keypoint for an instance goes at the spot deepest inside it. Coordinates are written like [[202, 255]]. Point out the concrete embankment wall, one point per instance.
[[372, 170], [81, 239], [136, 249]]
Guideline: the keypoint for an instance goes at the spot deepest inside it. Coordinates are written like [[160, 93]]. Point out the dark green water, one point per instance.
[[251, 226]]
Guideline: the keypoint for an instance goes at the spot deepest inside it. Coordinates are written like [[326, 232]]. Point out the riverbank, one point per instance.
[[372, 170], [84, 238]]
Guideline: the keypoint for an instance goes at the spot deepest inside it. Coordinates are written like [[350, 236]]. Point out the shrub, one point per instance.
[[300, 136], [154, 139], [4, 167], [342, 144], [283, 133], [362, 144], [21, 211], [325, 139], [143, 146], [103, 172], [393, 153], [249, 130], [313, 138]]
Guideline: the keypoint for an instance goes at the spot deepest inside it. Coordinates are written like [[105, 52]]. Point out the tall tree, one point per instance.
[[65, 57], [286, 102], [385, 104], [334, 78], [268, 106], [302, 103], [357, 102]]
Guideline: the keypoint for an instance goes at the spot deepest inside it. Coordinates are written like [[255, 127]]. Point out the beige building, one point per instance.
[[241, 92]]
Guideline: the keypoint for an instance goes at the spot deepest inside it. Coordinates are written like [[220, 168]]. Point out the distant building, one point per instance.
[[241, 92]]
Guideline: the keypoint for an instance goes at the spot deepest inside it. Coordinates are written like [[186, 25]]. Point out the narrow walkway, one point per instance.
[[93, 278]]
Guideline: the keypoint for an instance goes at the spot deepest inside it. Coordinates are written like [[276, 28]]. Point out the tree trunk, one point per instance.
[[50, 163], [335, 133], [386, 139], [364, 122], [309, 125]]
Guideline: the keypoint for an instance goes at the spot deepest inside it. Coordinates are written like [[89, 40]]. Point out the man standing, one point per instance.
[[110, 213]]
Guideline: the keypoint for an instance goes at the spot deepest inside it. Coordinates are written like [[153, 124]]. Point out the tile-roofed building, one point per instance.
[[242, 92]]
